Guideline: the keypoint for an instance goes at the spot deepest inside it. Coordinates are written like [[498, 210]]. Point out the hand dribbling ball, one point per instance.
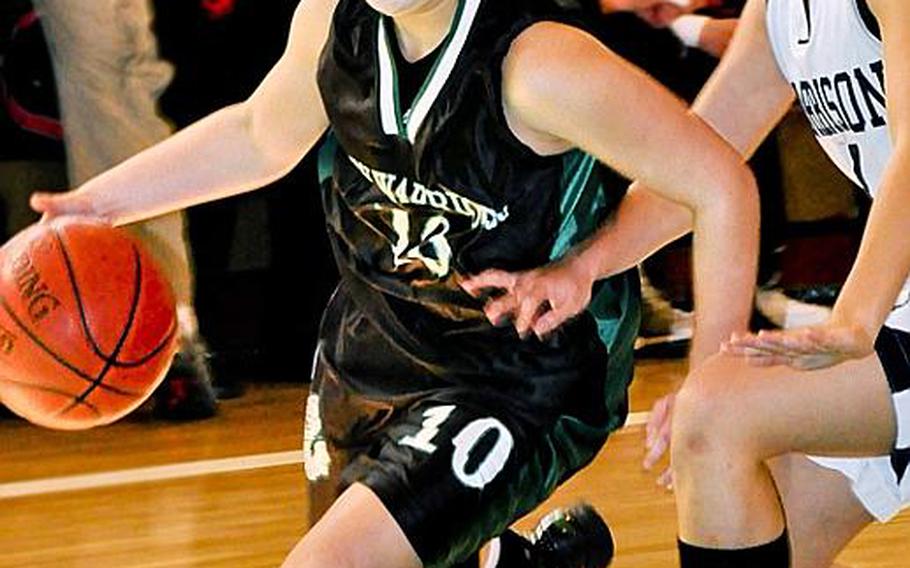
[[87, 324]]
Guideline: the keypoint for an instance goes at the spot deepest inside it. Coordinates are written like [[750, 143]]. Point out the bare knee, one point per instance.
[[710, 419], [356, 532]]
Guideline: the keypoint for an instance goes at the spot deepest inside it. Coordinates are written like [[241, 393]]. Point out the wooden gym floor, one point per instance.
[[228, 492]]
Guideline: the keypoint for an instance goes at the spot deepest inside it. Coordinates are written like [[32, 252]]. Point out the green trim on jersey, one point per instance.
[[581, 197], [407, 124], [325, 158], [615, 305]]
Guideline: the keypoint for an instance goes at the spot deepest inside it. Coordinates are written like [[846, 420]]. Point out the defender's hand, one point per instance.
[[808, 348], [536, 301]]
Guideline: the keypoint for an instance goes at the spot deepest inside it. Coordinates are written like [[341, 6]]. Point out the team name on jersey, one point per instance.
[[403, 191], [849, 101]]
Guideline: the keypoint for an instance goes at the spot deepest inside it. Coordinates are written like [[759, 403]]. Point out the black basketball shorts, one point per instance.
[[453, 466]]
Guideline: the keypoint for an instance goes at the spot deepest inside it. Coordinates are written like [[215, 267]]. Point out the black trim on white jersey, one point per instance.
[[869, 18], [893, 349], [856, 158], [808, 38], [900, 460]]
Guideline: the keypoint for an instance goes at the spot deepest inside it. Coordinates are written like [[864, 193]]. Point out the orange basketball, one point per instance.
[[87, 324]]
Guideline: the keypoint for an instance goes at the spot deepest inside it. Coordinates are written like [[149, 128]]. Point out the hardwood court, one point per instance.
[[229, 492]]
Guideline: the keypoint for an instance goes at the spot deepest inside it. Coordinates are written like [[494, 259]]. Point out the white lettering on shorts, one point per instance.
[[316, 459]]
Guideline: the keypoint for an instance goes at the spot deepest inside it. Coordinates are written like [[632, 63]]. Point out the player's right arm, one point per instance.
[[236, 149], [743, 101]]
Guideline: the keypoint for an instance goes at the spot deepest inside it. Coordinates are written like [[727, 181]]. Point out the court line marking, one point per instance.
[[185, 470], [147, 474], [637, 419]]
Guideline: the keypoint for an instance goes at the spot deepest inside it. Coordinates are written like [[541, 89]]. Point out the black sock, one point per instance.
[[775, 554], [514, 551]]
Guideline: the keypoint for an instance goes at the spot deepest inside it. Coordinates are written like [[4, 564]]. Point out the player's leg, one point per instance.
[[331, 443], [356, 532], [455, 470], [823, 513], [731, 418]]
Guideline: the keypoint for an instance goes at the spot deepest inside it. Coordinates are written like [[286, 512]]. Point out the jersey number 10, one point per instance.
[[465, 444]]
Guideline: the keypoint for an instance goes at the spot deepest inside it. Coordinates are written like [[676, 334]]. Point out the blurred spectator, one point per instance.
[[109, 77]]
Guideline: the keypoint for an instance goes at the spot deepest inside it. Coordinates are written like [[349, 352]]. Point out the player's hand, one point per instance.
[[808, 348], [536, 301], [70, 203], [657, 437]]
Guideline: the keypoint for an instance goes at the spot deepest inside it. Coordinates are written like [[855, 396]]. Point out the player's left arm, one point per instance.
[[883, 262], [579, 94]]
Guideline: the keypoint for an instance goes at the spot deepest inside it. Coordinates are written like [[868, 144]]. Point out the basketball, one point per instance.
[[87, 324]]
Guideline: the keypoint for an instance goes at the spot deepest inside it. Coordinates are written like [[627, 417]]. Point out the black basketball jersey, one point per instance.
[[421, 193]]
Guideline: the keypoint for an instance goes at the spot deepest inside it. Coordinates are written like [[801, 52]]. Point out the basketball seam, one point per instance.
[[44, 388], [157, 350], [59, 358], [108, 359], [137, 290]]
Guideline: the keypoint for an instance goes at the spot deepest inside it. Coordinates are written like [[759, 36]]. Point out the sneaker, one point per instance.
[[6, 412], [186, 392], [665, 331], [786, 312], [822, 294], [572, 538], [657, 313], [658, 316]]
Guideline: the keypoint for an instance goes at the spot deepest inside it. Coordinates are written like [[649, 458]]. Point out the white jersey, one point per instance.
[[831, 54]]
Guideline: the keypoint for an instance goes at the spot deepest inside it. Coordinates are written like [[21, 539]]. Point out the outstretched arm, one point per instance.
[[883, 262], [237, 149]]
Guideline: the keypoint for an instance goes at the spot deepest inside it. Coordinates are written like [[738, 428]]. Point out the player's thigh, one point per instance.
[[823, 513], [769, 411], [356, 532]]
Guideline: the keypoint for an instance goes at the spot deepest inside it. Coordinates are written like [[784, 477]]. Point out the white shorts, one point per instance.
[[882, 484]]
